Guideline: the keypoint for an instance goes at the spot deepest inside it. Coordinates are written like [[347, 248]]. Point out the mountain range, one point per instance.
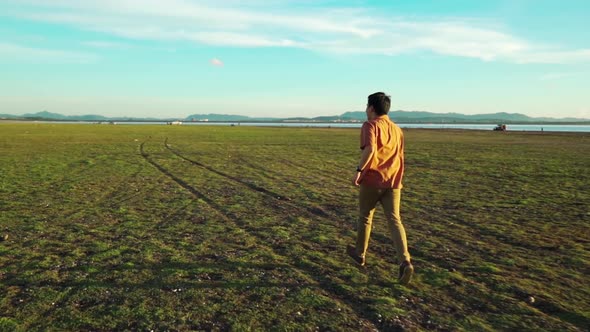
[[397, 116]]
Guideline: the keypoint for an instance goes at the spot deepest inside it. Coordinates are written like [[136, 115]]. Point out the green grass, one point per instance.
[[239, 228]]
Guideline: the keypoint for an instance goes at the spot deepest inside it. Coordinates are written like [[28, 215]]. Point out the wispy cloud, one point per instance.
[[216, 62], [105, 44], [556, 76], [20, 53], [556, 56], [344, 30]]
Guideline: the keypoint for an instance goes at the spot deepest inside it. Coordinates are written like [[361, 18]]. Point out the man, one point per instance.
[[379, 175]]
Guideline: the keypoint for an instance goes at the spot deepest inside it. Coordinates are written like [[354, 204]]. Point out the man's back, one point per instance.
[[386, 167]]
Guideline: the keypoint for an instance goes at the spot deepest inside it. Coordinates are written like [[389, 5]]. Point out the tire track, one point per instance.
[[317, 211], [106, 199], [314, 211], [320, 178], [338, 293], [319, 173], [227, 176]]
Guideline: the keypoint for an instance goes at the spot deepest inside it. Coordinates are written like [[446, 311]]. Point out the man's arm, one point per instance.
[[366, 156]]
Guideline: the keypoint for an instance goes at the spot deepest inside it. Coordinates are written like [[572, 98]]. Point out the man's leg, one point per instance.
[[368, 198], [390, 201], [391, 205]]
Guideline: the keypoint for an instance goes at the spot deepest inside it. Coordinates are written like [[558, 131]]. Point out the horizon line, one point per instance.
[[30, 115]]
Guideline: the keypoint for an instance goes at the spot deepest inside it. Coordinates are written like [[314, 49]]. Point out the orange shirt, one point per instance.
[[386, 167]]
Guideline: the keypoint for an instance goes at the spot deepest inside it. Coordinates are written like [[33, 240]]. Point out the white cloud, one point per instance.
[[105, 44], [216, 62], [555, 76], [19, 53], [254, 24], [559, 56]]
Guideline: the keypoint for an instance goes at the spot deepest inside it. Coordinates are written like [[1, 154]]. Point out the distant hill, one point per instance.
[[397, 116], [9, 116], [48, 116], [428, 117], [225, 117], [217, 117], [55, 116]]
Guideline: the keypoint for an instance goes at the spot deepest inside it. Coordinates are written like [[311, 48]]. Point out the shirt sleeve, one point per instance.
[[368, 135]]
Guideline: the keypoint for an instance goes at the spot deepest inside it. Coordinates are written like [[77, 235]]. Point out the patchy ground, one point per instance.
[[242, 228]]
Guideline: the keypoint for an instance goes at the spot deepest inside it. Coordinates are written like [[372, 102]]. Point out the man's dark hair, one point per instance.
[[380, 102]]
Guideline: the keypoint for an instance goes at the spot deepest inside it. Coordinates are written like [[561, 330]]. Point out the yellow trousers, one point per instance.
[[390, 200]]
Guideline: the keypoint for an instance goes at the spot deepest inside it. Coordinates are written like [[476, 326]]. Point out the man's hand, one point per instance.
[[356, 179], [364, 163]]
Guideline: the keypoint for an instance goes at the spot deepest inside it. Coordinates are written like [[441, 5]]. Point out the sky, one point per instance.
[[284, 58]]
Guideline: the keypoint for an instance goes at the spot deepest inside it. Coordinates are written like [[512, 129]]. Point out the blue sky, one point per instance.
[[173, 58]]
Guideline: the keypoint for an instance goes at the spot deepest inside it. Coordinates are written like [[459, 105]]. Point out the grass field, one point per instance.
[[181, 228]]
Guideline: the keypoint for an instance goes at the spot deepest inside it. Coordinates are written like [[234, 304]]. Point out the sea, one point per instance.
[[515, 127]]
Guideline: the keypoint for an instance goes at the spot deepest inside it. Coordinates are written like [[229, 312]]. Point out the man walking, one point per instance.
[[379, 175]]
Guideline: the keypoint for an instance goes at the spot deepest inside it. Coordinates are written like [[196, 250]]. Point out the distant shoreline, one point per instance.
[[538, 123], [580, 128]]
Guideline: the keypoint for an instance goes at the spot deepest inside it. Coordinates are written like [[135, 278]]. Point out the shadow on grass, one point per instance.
[[451, 262], [213, 278], [334, 287]]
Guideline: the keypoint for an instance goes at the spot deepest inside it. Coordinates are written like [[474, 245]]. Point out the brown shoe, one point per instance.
[[351, 251], [406, 270]]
